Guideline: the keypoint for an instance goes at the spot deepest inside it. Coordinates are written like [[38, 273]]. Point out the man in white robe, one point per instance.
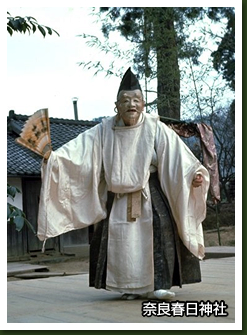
[[147, 171]]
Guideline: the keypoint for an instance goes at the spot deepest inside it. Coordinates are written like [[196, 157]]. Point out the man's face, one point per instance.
[[130, 105]]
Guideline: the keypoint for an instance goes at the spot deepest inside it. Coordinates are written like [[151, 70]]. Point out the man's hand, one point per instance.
[[197, 181]]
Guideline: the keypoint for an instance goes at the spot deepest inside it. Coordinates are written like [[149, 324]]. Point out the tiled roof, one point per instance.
[[23, 162]]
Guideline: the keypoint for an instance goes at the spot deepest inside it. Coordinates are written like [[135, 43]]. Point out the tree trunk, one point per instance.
[[168, 76]]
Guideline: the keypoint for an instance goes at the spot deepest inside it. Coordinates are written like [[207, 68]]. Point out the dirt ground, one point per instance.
[[75, 264], [226, 235], [70, 266]]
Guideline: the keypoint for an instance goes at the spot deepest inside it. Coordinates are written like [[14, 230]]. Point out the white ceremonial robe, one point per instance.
[[105, 158]]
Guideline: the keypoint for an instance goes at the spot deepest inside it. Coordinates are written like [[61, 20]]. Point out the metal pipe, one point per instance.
[[75, 107]]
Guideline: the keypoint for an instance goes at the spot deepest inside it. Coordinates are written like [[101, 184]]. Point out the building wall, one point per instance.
[[16, 241], [18, 202], [20, 244]]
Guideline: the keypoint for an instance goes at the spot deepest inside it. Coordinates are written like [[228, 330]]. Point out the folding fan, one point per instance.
[[35, 134]]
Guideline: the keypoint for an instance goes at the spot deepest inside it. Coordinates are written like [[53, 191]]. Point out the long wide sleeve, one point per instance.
[[177, 167], [73, 194]]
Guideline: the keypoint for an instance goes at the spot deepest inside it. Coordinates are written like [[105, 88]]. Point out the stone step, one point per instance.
[[36, 275], [14, 268]]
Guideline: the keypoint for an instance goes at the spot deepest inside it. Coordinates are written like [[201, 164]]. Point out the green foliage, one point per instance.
[[14, 214], [164, 46], [26, 24], [224, 56], [159, 36]]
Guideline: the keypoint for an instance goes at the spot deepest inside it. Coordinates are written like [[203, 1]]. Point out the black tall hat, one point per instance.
[[129, 82]]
